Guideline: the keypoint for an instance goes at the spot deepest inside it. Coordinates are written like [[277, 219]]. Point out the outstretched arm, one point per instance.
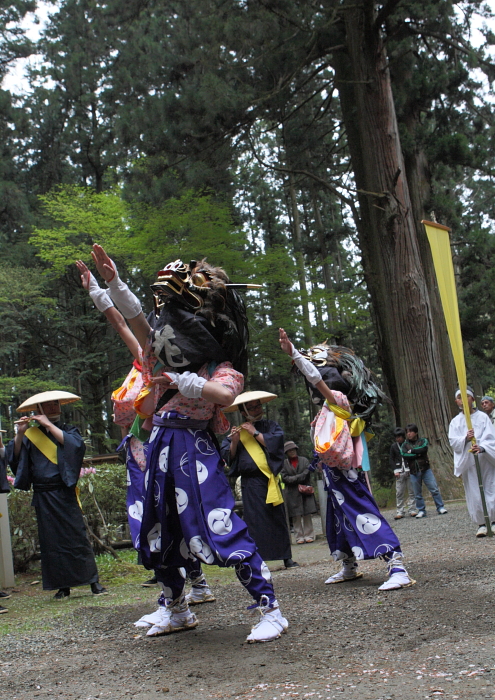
[[127, 302], [305, 366], [104, 304]]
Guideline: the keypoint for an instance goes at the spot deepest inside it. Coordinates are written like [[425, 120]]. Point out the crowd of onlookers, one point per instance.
[[412, 468]]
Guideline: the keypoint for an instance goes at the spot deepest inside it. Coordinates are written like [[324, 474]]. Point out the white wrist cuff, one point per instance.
[[306, 367], [127, 303], [188, 383], [101, 299]]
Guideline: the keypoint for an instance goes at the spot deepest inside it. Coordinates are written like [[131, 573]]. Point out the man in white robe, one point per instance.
[[464, 464]]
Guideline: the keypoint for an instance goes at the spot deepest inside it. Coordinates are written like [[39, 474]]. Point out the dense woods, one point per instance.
[[297, 143]]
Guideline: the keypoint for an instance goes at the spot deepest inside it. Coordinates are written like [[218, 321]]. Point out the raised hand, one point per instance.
[[285, 344], [104, 265], [85, 274]]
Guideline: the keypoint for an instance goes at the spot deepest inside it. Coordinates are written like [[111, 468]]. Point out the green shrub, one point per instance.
[[102, 493]]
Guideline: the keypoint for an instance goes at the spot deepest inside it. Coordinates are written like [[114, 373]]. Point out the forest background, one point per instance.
[[296, 143]]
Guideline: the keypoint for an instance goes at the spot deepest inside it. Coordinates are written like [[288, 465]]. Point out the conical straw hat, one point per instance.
[[32, 403], [247, 396]]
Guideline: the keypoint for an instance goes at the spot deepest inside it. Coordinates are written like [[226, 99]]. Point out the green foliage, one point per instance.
[[103, 497], [23, 528], [81, 217]]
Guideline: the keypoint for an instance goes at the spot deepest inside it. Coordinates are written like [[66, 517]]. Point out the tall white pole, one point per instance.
[[6, 561]]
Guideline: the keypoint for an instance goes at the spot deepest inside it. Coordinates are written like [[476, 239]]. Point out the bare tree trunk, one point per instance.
[[388, 236]]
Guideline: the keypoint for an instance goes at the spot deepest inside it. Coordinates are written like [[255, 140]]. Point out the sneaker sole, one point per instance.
[[400, 588], [184, 628], [3, 611], [4, 597], [198, 602], [345, 580], [261, 641]]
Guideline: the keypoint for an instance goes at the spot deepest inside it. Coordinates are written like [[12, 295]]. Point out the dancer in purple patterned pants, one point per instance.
[[193, 362]]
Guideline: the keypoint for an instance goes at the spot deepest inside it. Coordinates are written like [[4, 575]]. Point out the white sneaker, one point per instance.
[[442, 511], [397, 575], [151, 619], [348, 572], [340, 577], [421, 514], [199, 595], [482, 531], [173, 621], [271, 625]]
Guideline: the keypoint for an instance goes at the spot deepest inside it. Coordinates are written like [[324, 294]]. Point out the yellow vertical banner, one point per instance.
[[439, 240]]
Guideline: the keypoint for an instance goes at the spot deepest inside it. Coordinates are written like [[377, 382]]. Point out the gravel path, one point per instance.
[[347, 641]]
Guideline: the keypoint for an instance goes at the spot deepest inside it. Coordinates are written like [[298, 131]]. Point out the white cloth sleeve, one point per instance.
[[188, 383], [127, 303], [307, 368], [99, 296]]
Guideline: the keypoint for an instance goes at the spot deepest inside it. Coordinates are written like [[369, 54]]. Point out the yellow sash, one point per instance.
[[255, 451], [356, 425], [43, 443]]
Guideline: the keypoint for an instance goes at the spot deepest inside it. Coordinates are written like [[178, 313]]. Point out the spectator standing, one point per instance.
[[464, 465], [488, 407], [402, 478], [298, 493], [414, 450]]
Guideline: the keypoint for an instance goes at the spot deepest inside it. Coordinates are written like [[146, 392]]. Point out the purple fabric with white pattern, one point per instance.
[[354, 524], [188, 512]]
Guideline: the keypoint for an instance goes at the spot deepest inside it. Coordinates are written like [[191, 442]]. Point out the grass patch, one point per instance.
[[33, 609]]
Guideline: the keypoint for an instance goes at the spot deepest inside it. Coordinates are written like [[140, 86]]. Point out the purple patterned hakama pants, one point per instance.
[[188, 510], [355, 526]]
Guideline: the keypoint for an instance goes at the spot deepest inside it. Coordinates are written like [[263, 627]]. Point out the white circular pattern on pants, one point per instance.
[[204, 447], [201, 550], [237, 556], [368, 523], [265, 572], [184, 551], [137, 542], [153, 433], [334, 475], [157, 493], [338, 497], [167, 592], [338, 555], [358, 552], [347, 524], [128, 478], [183, 572], [163, 459], [155, 538], [146, 479], [383, 549], [136, 510], [244, 573], [181, 499], [202, 472], [337, 524], [184, 465], [327, 482], [219, 521]]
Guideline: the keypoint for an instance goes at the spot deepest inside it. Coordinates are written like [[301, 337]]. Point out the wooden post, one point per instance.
[[6, 561]]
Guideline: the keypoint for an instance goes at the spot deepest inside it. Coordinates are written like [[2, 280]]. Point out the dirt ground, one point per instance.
[[347, 641]]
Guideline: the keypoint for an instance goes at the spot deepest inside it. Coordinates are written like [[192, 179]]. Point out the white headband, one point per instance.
[[468, 392]]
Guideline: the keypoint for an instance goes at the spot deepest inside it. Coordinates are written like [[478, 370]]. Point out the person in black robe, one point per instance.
[[67, 558], [267, 523]]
